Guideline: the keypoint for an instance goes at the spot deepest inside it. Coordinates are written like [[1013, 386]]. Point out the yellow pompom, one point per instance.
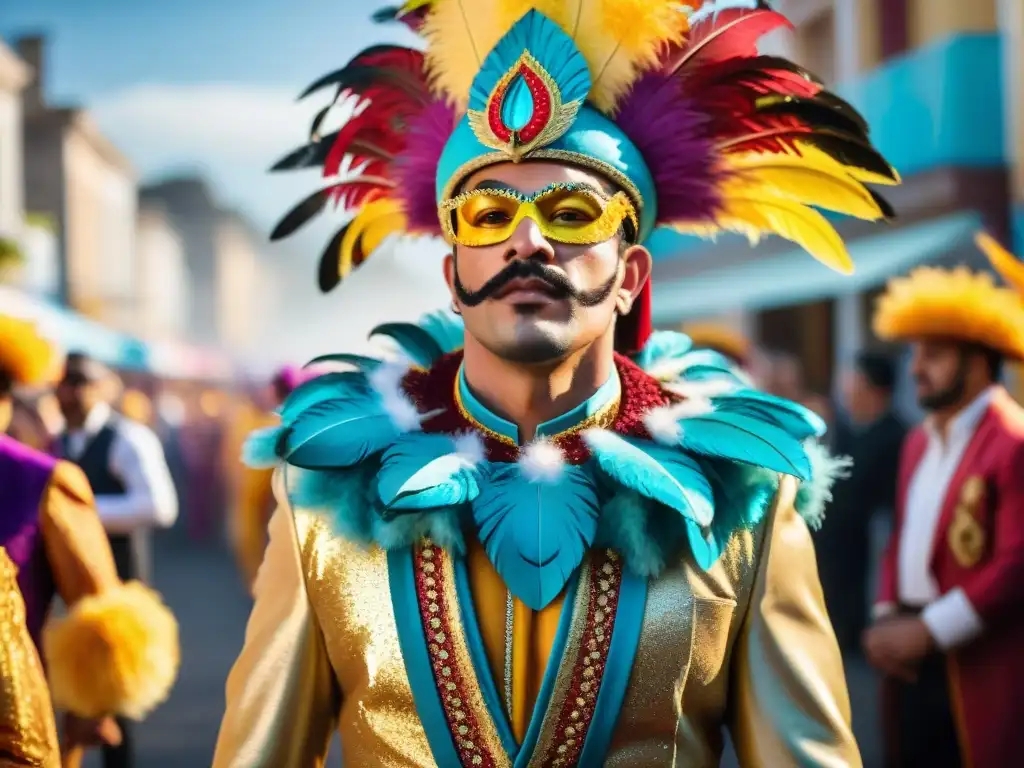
[[115, 653]]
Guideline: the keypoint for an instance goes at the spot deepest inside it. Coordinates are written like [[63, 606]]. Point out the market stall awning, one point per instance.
[[794, 277], [75, 333]]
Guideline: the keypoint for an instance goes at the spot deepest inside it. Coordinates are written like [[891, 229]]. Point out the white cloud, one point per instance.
[[231, 133]]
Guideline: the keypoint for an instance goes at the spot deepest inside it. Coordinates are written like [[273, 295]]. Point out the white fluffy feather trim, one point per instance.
[[663, 423], [470, 448], [387, 382], [542, 461]]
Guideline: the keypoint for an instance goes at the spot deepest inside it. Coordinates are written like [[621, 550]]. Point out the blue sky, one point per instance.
[[194, 84]]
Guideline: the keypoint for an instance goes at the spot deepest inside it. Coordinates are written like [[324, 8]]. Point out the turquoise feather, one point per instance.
[[420, 471], [339, 433], [662, 346], [446, 328], [536, 533], [745, 439], [361, 362], [260, 450], [330, 386], [798, 421], [553, 49], [705, 364], [666, 475], [418, 344]]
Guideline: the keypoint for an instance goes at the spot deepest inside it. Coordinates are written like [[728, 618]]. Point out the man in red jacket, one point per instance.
[[949, 623]]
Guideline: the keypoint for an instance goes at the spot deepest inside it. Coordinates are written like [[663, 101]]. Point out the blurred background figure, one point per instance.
[[784, 377], [125, 465], [251, 494], [722, 339], [871, 436]]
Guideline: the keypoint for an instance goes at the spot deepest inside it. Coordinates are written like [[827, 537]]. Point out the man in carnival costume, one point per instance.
[[950, 618], [555, 539], [116, 652]]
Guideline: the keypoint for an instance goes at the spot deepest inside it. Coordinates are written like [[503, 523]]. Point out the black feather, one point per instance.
[[813, 112], [887, 210], [849, 150], [357, 78], [297, 158], [314, 129], [328, 274], [384, 15], [301, 213]]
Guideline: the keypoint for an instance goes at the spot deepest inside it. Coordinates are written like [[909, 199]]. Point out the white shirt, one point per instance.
[[950, 618], [137, 460]]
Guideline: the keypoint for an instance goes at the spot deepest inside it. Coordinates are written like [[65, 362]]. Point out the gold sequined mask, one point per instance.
[[570, 213]]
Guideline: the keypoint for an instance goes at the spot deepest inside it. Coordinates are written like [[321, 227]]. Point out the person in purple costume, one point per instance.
[[52, 533]]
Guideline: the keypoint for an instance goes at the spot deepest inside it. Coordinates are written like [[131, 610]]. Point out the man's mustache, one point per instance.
[[557, 283]]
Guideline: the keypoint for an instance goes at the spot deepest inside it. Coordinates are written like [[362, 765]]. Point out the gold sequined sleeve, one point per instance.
[[789, 702], [77, 547], [282, 696], [27, 733]]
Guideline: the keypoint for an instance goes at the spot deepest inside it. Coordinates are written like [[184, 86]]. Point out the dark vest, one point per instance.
[[94, 461]]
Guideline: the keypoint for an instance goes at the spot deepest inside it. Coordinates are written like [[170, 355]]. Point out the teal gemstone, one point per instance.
[[517, 105]]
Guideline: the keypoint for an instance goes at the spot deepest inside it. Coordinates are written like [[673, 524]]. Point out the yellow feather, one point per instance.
[[815, 155], [746, 208], [375, 221], [808, 180], [1009, 267], [460, 34], [620, 39], [513, 10]]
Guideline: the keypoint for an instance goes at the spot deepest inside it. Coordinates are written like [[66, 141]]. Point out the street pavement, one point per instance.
[[203, 589]]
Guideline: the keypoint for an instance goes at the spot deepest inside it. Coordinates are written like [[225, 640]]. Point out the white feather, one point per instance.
[[386, 381], [702, 389], [542, 461], [663, 423], [470, 448]]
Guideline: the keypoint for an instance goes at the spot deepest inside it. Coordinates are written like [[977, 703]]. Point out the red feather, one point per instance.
[[359, 191], [376, 124], [729, 33]]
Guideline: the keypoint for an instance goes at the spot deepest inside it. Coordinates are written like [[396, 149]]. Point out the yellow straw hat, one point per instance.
[[952, 303], [25, 355]]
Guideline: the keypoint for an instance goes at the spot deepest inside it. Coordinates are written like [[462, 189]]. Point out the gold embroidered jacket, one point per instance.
[[746, 645]]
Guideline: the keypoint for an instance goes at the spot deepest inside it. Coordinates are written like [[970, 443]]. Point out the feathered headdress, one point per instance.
[[952, 303], [672, 104], [26, 357]]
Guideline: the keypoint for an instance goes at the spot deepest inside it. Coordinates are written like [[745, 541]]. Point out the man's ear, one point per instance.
[[448, 265], [637, 263]]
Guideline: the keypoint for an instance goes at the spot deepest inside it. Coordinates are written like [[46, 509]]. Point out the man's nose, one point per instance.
[[528, 242]]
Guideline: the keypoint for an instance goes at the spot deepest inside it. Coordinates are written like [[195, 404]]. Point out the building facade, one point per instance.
[[939, 83], [78, 179], [163, 279]]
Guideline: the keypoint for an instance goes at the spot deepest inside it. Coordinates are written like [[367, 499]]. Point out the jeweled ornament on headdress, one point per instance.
[[671, 104]]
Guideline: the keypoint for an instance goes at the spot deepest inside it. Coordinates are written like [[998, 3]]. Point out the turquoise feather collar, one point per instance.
[[354, 447]]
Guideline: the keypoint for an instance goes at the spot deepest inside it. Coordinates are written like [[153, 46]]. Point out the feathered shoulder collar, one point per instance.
[[692, 455]]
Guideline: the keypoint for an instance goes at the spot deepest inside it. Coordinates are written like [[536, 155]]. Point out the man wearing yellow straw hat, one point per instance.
[[950, 616], [116, 652]]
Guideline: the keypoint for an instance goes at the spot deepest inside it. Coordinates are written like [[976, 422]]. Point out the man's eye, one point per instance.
[[568, 216], [492, 218]]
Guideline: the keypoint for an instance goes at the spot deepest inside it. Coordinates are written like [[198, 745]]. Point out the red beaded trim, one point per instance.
[[448, 677], [577, 712], [541, 108]]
